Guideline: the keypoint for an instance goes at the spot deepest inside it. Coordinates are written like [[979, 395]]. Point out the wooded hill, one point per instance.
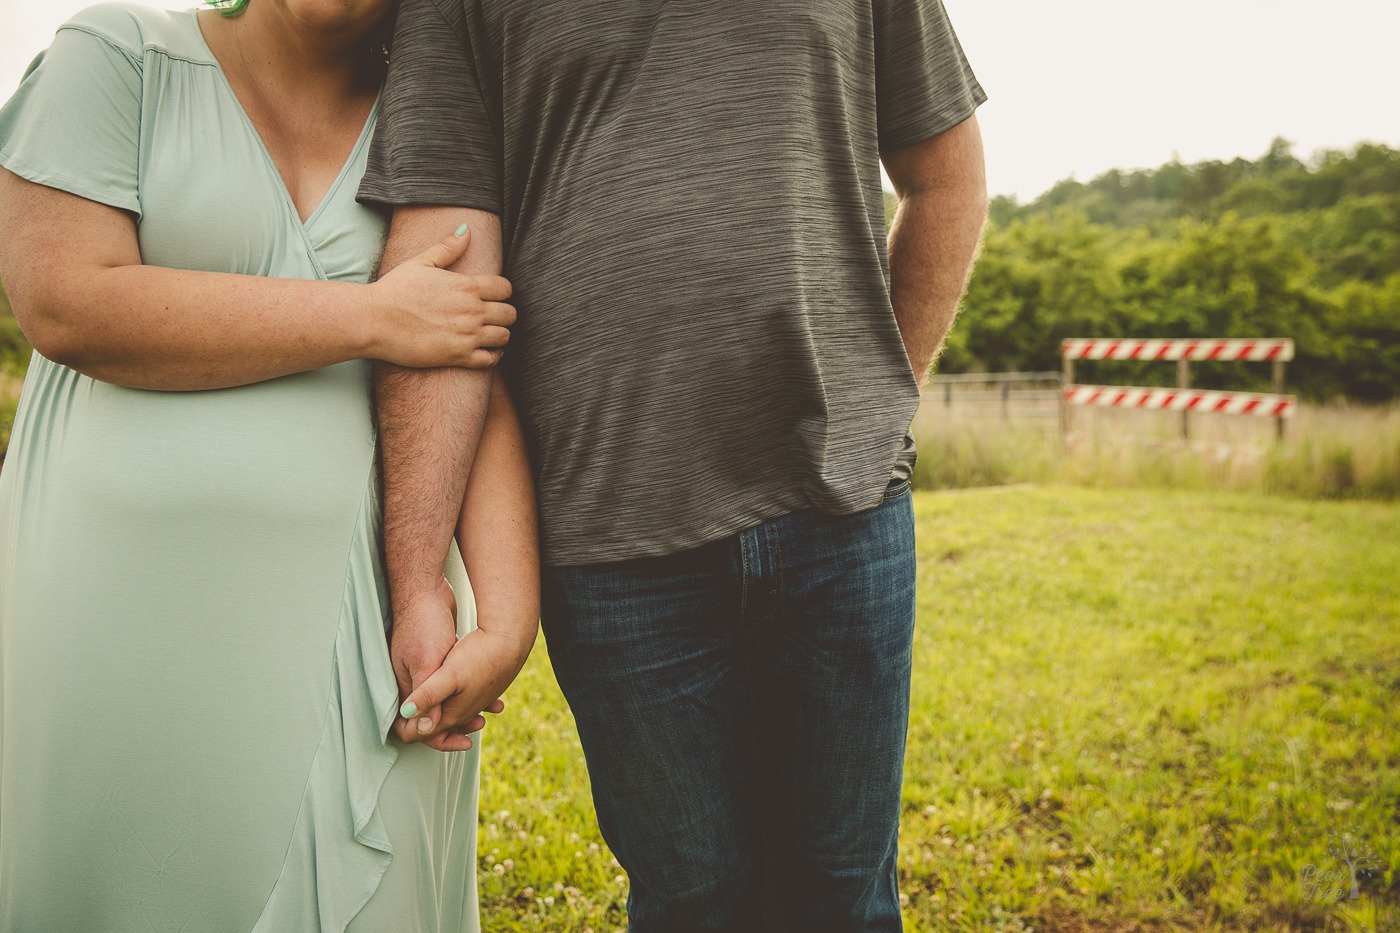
[[1272, 248]]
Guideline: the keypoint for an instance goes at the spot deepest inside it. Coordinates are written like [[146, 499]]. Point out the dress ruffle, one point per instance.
[[336, 859]]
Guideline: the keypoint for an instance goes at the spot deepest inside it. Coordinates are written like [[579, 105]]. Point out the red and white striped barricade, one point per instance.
[[1228, 403], [1184, 351], [1278, 349]]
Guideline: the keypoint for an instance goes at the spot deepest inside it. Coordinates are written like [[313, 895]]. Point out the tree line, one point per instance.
[[1276, 247]]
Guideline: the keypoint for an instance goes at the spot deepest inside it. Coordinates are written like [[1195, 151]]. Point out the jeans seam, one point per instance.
[[777, 569]]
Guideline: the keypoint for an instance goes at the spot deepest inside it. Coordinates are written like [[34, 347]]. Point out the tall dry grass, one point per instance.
[[1327, 452]]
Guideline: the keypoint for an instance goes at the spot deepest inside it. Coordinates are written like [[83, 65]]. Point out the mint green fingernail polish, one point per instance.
[[462, 230], [408, 710]]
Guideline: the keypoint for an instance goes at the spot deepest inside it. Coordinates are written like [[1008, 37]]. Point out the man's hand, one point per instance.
[[423, 634], [470, 681]]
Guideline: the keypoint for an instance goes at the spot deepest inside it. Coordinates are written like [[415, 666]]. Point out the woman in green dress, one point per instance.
[[196, 697]]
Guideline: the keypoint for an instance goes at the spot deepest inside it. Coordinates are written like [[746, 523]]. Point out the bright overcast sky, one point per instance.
[[1082, 86]]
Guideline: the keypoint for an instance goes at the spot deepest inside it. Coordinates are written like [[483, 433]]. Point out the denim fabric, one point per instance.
[[743, 707]]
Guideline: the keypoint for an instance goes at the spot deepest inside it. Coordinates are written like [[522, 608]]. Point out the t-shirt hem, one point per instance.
[[642, 546], [51, 179], [403, 193], [944, 122]]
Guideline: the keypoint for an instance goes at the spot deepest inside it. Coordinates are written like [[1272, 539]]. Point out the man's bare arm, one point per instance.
[[942, 188], [430, 422], [499, 540]]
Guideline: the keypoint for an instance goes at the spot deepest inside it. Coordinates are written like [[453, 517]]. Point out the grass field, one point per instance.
[[1133, 710]]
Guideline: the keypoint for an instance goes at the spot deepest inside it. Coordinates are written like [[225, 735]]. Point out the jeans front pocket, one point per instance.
[[897, 488]]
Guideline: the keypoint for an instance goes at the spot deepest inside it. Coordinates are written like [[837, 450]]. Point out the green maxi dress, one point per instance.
[[195, 687]]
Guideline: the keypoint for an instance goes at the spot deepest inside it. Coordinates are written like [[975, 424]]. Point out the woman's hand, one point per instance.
[[429, 317], [84, 297], [448, 705], [422, 633]]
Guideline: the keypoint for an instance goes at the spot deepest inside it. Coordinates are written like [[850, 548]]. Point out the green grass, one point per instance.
[[1133, 710]]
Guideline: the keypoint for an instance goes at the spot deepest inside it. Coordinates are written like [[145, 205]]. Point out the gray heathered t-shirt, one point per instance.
[[693, 222]]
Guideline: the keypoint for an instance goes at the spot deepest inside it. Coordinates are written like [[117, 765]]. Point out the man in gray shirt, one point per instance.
[[716, 365]]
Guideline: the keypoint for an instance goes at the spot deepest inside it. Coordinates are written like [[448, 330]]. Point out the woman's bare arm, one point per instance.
[[72, 269]]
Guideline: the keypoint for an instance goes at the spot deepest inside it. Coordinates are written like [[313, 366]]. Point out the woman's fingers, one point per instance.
[[494, 288], [460, 740], [492, 337], [450, 742], [407, 730], [422, 726], [482, 358], [496, 316], [455, 739], [416, 721], [422, 708], [447, 252]]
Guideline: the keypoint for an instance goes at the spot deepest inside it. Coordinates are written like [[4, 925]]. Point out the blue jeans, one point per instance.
[[743, 708]]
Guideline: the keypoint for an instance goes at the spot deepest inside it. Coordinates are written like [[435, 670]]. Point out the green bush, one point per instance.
[[14, 348], [14, 358], [8, 400]]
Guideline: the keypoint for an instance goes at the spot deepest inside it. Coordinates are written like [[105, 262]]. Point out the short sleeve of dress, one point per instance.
[[923, 83], [435, 142], [75, 121]]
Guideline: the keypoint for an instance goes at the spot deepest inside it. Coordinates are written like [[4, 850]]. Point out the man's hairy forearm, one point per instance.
[[933, 244], [429, 420], [429, 425], [935, 236]]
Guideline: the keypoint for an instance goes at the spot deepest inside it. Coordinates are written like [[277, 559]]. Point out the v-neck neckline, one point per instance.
[[267, 153]]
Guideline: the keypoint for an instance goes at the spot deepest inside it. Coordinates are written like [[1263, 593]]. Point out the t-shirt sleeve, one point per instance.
[[75, 121], [923, 83], [435, 142]]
